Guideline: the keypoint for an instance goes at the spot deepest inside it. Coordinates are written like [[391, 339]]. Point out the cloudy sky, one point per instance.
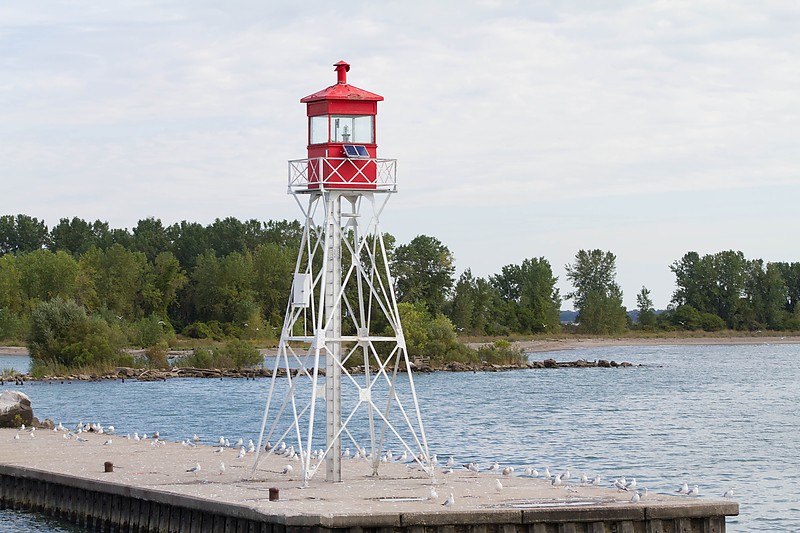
[[522, 129]]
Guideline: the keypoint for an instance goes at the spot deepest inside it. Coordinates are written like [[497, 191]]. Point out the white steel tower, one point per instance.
[[342, 349]]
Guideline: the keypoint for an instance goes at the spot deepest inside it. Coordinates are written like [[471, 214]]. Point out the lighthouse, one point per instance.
[[342, 374]]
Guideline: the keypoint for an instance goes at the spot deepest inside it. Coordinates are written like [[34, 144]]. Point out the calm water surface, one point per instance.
[[720, 417]]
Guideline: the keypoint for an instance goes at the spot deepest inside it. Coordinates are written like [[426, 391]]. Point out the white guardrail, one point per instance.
[[340, 172]]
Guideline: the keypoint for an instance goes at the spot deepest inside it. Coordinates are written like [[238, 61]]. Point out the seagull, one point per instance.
[[695, 491], [16, 436], [507, 471], [684, 489], [472, 467], [221, 441], [584, 479], [195, 469], [566, 475], [221, 468], [432, 494], [620, 484], [107, 443], [287, 469], [136, 437], [451, 461], [449, 501], [596, 480], [557, 481], [631, 484], [242, 453], [110, 429], [546, 474], [497, 485], [728, 494], [494, 468], [635, 498], [195, 438]]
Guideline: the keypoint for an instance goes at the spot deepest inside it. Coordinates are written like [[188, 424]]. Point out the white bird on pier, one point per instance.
[[450, 501], [694, 491], [287, 469], [728, 493], [242, 453], [566, 475], [507, 471], [494, 468], [239, 443], [221, 441], [497, 485], [635, 498], [432, 494], [251, 447], [631, 485], [621, 484], [557, 481], [16, 436], [584, 479], [684, 489], [596, 480], [195, 469], [451, 461], [546, 474], [110, 429], [221, 468], [136, 437], [107, 443]]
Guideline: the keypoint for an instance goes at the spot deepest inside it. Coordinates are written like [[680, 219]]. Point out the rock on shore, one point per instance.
[[15, 409]]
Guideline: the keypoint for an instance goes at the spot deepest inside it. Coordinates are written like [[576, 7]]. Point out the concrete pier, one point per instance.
[[150, 490]]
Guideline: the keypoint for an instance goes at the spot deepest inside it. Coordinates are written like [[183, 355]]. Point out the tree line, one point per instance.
[[231, 279]]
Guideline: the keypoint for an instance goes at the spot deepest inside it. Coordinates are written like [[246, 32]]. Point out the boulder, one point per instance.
[[15, 409]]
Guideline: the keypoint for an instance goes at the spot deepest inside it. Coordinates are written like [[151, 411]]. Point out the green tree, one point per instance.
[[74, 236], [189, 240], [647, 313], [162, 282], [423, 272], [22, 234], [150, 238], [596, 295], [531, 288], [63, 335], [273, 267], [117, 275], [45, 275]]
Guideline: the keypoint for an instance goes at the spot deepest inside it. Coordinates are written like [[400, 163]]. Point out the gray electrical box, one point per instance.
[[301, 290]]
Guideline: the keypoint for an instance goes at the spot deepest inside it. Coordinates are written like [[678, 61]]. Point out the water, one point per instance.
[[717, 416]]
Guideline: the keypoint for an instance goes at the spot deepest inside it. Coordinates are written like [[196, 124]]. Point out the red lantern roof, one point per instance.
[[342, 90]]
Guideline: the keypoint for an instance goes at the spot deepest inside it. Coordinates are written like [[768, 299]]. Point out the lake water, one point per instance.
[[720, 417]]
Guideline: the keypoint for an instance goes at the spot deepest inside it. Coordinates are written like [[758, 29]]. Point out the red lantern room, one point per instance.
[[341, 135]]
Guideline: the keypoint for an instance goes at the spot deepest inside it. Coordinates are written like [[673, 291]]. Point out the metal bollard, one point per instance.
[[109, 466], [273, 494]]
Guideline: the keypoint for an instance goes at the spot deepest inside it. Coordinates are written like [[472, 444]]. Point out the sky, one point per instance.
[[521, 129]]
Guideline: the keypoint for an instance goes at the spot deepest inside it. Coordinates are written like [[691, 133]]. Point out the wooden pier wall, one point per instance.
[[113, 507]]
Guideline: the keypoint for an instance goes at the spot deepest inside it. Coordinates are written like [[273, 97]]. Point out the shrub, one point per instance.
[[156, 355], [241, 354], [711, 322]]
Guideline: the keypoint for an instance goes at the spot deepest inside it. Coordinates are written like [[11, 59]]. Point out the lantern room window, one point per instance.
[[351, 129], [343, 129]]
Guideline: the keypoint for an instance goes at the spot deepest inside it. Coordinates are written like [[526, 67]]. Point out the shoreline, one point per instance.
[[565, 344], [555, 345]]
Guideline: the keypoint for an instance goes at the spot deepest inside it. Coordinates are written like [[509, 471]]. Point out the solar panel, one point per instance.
[[355, 150]]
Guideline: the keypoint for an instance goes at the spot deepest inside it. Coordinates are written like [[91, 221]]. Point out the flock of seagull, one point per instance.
[[560, 480]]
